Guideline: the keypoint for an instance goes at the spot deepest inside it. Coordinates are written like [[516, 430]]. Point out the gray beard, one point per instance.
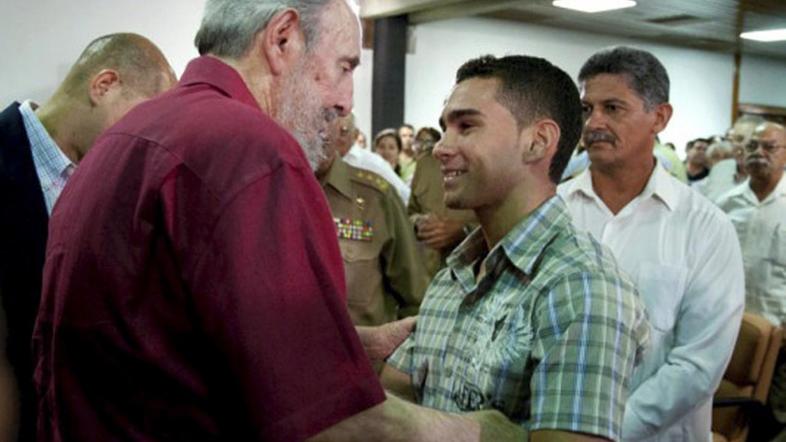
[[302, 114]]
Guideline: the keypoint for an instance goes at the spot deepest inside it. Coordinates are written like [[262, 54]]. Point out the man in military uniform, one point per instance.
[[385, 274], [440, 228]]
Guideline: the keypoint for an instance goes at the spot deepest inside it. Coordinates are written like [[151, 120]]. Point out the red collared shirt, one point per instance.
[[193, 287]]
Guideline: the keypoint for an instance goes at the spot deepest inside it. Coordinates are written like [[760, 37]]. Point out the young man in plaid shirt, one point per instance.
[[531, 317]]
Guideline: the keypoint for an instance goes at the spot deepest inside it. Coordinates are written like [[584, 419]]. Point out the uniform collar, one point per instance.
[[212, 71], [522, 247], [337, 177], [660, 185]]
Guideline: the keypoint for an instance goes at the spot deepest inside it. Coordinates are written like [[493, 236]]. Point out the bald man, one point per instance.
[[40, 146]]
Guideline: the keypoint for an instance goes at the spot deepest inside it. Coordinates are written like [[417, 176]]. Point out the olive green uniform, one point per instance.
[[428, 197], [386, 278]]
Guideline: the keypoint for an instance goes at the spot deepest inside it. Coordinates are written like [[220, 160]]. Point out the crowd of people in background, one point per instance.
[[228, 257]]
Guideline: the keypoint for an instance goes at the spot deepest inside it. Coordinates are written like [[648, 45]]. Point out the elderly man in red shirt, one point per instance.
[[193, 287]]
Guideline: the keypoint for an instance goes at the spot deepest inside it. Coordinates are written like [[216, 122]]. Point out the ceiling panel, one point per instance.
[[705, 24]]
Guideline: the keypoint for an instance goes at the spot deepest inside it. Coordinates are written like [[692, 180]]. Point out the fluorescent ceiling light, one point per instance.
[[771, 35], [593, 5]]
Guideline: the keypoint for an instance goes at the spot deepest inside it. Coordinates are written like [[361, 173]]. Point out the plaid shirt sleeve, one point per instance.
[[401, 359], [589, 329]]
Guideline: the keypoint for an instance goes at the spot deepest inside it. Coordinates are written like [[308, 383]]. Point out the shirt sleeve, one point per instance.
[[709, 318], [401, 359], [269, 295], [404, 268], [590, 328]]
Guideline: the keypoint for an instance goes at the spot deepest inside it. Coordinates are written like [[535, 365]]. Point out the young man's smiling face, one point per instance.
[[480, 152]]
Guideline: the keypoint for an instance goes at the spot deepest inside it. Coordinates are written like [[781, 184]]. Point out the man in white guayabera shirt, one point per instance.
[[681, 250], [757, 207]]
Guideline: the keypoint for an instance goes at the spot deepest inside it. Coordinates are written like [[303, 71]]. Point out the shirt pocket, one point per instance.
[[661, 287], [778, 246], [362, 270]]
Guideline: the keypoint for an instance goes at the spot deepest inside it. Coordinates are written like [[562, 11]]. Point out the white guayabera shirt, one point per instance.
[[684, 258], [761, 228]]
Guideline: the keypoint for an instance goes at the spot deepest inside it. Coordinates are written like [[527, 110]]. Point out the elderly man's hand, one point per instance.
[[381, 341]]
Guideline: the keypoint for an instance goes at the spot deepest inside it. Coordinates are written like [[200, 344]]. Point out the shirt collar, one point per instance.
[[659, 185], [338, 177], [210, 70], [780, 189], [742, 190], [47, 155], [777, 192], [662, 186], [353, 152], [522, 246]]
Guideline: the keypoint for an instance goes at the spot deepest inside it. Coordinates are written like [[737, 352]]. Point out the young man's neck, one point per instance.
[[618, 186], [497, 221]]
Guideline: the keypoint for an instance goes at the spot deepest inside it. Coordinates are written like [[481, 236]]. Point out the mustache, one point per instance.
[[755, 157], [595, 136]]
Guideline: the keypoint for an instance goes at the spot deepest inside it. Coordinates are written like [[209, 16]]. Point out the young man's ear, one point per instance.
[[282, 41], [101, 84], [542, 142]]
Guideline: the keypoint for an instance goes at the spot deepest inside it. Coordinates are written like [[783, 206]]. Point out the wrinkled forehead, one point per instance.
[[339, 24]]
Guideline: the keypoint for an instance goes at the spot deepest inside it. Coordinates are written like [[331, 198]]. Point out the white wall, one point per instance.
[[701, 82], [763, 81], [363, 82], [42, 38]]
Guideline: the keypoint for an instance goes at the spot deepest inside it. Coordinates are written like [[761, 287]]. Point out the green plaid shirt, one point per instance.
[[549, 336]]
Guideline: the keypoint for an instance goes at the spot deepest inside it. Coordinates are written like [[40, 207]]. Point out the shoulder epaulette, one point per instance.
[[371, 179]]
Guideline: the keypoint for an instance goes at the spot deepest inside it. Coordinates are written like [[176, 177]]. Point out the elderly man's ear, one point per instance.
[[282, 42]]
